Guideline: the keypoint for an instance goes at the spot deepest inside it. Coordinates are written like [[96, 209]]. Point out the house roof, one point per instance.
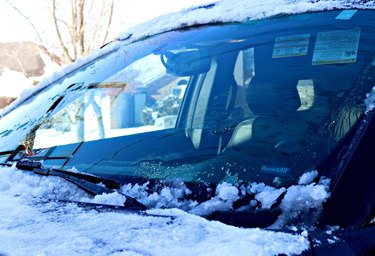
[[23, 57]]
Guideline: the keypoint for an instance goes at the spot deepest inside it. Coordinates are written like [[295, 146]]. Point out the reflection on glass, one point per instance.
[[139, 98]]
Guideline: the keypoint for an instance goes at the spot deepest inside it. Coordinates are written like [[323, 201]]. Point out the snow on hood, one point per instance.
[[55, 229], [216, 12], [30, 223], [297, 199], [41, 225]]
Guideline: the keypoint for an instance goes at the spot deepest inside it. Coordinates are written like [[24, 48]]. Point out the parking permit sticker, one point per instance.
[[346, 15], [291, 46], [336, 47]]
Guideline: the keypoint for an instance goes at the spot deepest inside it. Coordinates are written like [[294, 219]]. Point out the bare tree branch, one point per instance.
[[41, 43], [109, 23], [66, 25], [66, 54], [73, 27], [81, 30], [89, 13], [96, 28], [77, 32]]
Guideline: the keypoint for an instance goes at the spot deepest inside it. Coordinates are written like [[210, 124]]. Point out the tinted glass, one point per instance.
[[261, 101]]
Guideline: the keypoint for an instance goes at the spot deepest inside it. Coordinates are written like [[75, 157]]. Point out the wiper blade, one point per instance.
[[86, 182], [37, 167], [88, 186]]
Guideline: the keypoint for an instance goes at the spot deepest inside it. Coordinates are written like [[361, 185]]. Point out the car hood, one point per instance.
[[93, 232]]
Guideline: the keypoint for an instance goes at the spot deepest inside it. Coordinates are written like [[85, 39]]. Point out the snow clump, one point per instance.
[[226, 195], [301, 202], [166, 196], [307, 178], [370, 100]]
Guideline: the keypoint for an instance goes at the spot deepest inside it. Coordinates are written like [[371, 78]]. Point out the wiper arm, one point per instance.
[[84, 181], [249, 218]]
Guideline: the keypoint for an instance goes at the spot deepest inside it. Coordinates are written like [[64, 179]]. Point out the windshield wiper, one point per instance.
[[252, 217], [86, 182]]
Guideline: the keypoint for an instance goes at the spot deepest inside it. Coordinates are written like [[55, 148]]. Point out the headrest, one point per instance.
[[274, 87], [278, 96]]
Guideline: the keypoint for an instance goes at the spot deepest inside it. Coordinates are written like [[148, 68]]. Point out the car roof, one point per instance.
[[215, 12], [226, 11]]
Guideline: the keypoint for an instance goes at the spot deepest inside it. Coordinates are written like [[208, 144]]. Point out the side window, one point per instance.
[[140, 98]]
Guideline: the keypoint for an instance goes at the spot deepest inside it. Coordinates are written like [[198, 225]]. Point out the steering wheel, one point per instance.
[[309, 148]]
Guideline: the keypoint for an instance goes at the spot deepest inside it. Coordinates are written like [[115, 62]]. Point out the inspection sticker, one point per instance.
[[346, 15], [335, 47], [291, 46]]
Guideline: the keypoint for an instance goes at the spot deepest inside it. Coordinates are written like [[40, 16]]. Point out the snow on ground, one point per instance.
[[218, 11], [12, 83], [31, 223]]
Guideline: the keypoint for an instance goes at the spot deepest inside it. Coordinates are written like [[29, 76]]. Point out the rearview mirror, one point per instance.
[[185, 63]]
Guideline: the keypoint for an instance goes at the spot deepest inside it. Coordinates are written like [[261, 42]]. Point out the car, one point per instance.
[[263, 122]]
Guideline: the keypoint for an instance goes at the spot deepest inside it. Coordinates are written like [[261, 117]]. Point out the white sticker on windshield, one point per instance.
[[346, 15], [291, 46], [336, 47]]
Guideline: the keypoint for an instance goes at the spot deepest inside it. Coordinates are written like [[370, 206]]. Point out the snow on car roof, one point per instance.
[[228, 11], [221, 11]]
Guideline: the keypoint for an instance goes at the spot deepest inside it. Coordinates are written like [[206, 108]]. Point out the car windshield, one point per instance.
[[260, 101]]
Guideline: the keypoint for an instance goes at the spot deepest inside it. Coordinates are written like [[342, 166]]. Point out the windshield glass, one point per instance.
[[260, 101]]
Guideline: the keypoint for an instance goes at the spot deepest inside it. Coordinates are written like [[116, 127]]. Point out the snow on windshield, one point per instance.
[[217, 12], [40, 225], [370, 100]]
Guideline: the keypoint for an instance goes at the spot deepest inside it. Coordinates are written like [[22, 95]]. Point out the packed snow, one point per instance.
[[33, 222], [51, 228], [215, 12]]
